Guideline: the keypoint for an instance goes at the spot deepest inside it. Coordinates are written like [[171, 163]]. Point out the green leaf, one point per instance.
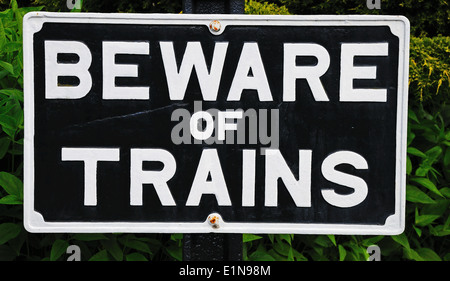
[[271, 238], [408, 165], [410, 137], [342, 252], [332, 239], [298, 256], [8, 231], [9, 125], [10, 200], [100, 256], [7, 66], [11, 184], [412, 115], [424, 220], [136, 257], [445, 191], [427, 163], [372, 240], [59, 247], [113, 248], [440, 230], [4, 145], [138, 245], [447, 157], [323, 241], [3, 74], [261, 255], [358, 253], [433, 153], [427, 184], [176, 236], [3, 38], [175, 252], [13, 94], [414, 151], [11, 46], [412, 254], [282, 248], [89, 236], [418, 230], [428, 254], [250, 237], [414, 194], [402, 240], [286, 237], [441, 206]]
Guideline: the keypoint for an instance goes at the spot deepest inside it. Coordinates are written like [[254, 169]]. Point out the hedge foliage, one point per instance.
[[253, 7], [153, 6], [106, 6], [430, 70], [428, 18], [428, 175]]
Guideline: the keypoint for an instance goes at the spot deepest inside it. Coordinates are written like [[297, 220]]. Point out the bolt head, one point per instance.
[[214, 220], [215, 26]]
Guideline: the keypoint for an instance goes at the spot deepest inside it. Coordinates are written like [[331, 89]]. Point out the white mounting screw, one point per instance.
[[214, 220], [215, 26]]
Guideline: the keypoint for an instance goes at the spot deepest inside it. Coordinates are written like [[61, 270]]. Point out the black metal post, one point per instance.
[[213, 6], [212, 246]]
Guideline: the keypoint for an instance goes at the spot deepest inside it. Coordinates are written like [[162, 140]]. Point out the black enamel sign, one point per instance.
[[215, 123]]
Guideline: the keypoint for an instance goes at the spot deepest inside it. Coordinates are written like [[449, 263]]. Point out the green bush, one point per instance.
[[428, 177], [264, 8], [153, 6], [114, 6], [11, 134], [430, 71], [428, 18]]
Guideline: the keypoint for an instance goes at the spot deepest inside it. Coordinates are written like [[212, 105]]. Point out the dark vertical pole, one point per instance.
[[213, 6], [212, 246]]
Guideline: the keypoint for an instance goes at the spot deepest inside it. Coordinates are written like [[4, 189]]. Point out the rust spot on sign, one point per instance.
[[215, 26], [213, 220]]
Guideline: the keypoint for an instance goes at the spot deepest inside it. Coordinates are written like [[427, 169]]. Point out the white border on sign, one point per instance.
[[34, 222]]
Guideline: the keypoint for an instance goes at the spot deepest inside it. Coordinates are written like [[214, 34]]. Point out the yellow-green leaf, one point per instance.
[[8, 231], [414, 194], [59, 247]]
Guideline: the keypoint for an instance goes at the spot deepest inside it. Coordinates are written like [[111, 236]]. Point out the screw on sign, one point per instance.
[[215, 26], [214, 220]]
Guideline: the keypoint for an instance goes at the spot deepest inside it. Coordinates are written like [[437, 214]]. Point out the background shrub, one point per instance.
[[106, 6], [253, 7], [428, 18], [429, 71]]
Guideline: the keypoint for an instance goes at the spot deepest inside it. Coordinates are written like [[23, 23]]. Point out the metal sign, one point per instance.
[[215, 123]]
